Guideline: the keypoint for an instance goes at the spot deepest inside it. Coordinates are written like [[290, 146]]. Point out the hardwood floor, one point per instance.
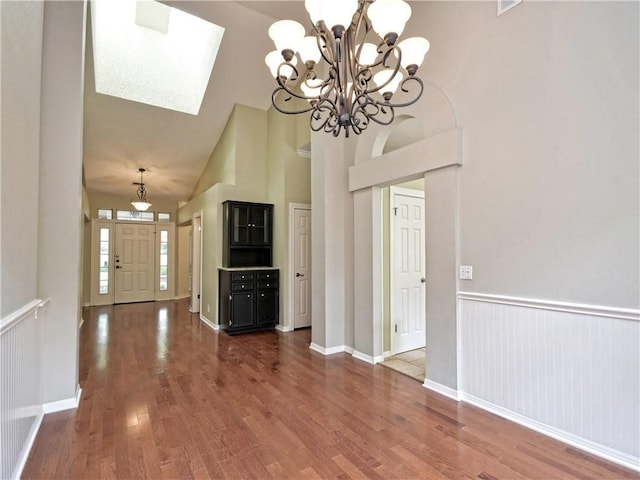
[[166, 397]]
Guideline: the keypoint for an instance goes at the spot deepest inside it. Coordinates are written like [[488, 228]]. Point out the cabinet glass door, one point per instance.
[[260, 221], [240, 225]]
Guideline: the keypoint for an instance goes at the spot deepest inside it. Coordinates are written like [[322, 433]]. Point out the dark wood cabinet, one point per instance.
[[249, 300], [247, 234]]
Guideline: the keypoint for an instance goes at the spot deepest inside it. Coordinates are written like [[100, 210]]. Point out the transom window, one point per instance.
[[135, 216], [105, 213]]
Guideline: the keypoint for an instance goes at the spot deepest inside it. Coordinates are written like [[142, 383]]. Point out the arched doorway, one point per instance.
[[410, 148]]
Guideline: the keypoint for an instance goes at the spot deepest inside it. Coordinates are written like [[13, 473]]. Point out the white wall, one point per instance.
[[60, 207], [544, 207], [547, 97], [331, 244], [565, 370], [21, 58]]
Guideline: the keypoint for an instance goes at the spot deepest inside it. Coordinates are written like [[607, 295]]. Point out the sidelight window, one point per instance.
[[103, 265], [164, 260]]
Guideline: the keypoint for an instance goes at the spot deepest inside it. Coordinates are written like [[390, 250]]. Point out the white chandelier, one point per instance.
[[141, 203], [365, 65]]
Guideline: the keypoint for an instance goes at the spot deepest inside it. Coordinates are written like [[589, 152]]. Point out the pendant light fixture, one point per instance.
[[367, 72], [141, 204]]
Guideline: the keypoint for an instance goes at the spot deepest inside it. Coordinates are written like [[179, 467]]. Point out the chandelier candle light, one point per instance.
[[365, 64], [141, 204]]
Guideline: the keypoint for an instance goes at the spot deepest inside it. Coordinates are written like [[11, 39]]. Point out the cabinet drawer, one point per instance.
[[240, 276], [239, 286], [268, 275], [262, 284]]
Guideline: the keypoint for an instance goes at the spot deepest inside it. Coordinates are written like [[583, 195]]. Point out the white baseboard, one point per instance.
[[209, 323], [441, 389], [283, 328], [60, 405], [614, 456], [327, 351], [367, 358], [181, 297]]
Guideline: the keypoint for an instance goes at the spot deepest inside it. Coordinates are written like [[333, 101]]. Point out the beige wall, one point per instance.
[[258, 151], [242, 149], [182, 273], [221, 165], [289, 181]]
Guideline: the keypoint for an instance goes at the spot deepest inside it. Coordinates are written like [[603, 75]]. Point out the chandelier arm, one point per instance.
[[343, 47], [282, 85], [327, 47], [406, 90], [386, 121], [274, 102], [324, 116], [387, 111], [355, 31], [377, 88], [282, 79], [370, 109], [388, 53]]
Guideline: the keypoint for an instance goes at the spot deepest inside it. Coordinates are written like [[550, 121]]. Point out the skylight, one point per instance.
[[151, 53]]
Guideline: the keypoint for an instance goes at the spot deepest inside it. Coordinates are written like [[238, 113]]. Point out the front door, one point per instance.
[[134, 263], [408, 308], [301, 267]]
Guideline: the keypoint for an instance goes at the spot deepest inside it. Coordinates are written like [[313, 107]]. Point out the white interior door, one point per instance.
[[301, 268], [134, 263], [408, 308]]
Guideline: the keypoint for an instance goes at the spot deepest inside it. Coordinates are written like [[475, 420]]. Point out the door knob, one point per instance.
[[423, 280], [118, 266], [299, 275]]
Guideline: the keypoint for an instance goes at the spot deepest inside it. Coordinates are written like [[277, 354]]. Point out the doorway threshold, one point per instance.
[[411, 363]]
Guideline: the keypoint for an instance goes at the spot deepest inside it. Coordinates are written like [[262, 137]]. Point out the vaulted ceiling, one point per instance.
[[121, 135]]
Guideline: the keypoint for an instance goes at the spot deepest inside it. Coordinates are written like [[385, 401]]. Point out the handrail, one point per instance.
[[17, 316]]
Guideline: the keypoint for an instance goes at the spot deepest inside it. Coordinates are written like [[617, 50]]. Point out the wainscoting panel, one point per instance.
[[20, 386], [572, 369]]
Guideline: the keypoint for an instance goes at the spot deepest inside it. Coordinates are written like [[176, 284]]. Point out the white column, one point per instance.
[[60, 220], [332, 228]]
